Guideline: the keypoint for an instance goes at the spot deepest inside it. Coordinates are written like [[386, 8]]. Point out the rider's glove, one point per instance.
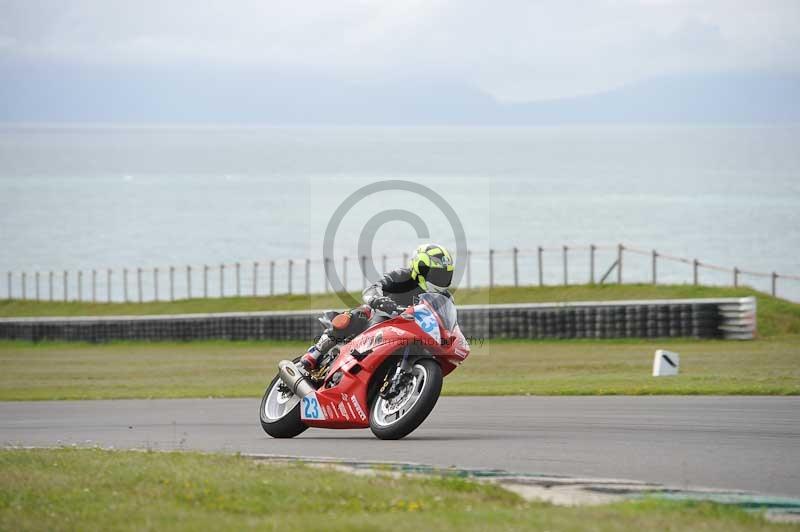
[[384, 304]]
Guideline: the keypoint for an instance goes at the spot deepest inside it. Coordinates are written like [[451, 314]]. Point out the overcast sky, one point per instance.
[[513, 50]]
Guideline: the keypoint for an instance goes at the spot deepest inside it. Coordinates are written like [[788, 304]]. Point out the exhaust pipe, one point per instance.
[[296, 381]]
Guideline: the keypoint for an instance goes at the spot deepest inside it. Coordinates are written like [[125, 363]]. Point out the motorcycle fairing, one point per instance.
[[344, 405]]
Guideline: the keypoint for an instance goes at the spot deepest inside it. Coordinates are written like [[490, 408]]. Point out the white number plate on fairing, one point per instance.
[[310, 408], [427, 322]]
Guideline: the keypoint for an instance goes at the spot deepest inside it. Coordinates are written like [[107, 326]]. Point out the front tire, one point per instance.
[[280, 413], [400, 416]]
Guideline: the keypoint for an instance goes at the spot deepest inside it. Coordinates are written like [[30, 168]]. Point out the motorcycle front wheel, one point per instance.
[[392, 419], [280, 411]]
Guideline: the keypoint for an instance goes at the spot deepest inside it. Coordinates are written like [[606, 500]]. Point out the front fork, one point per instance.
[[392, 386]]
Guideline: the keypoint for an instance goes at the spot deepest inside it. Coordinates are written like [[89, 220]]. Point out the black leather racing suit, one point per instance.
[[396, 285]]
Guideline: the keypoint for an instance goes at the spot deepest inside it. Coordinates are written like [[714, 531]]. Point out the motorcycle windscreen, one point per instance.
[[443, 307], [426, 320]]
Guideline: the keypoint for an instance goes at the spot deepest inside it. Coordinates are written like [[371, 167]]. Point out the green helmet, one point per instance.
[[432, 266]]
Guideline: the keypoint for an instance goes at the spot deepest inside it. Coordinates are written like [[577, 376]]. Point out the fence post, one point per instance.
[[469, 269], [125, 284], [344, 273], [405, 259], [308, 276], [155, 284], [37, 286], [8, 285], [188, 282], [619, 263], [255, 279], [222, 280], [735, 277], [695, 267], [205, 281], [272, 277], [238, 280], [94, 286], [24, 282], [591, 263], [491, 268], [172, 283], [655, 259], [539, 260], [108, 285], [516, 270], [291, 264], [50, 285], [139, 283], [326, 268], [363, 272], [80, 285], [774, 283], [564, 252], [66, 285]]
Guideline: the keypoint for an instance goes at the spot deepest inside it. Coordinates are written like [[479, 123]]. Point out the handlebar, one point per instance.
[[397, 311]]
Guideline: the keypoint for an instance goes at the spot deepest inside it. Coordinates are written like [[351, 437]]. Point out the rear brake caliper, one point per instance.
[[283, 389]]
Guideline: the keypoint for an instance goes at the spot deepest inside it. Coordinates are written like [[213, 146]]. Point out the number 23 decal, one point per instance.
[[311, 409]]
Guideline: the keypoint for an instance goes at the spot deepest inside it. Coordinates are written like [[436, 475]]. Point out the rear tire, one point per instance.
[[426, 387], [286, 425]]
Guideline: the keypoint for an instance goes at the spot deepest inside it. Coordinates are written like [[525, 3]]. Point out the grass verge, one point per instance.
[[775, 316], [72, 489], [242, 369]]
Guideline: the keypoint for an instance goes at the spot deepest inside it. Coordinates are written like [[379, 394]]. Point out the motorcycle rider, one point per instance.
[[430, 270]]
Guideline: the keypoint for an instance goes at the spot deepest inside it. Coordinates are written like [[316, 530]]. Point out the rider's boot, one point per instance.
[[345, 325], [311, 358]]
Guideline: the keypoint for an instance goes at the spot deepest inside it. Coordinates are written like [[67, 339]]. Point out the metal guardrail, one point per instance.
[[305, 276], [727, 318]]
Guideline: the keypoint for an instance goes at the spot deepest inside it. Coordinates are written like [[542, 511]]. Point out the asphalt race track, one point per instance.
[[748, 443]]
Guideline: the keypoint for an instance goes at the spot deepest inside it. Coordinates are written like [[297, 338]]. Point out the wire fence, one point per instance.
[[542, 266]]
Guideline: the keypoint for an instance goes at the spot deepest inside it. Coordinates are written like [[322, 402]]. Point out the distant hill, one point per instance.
[[737, 98], [60, 94]]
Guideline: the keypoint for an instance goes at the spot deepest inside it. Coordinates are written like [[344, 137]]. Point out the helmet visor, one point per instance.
[[440, 277]]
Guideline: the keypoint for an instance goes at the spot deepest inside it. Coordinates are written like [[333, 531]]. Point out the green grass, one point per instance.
[[585, 367], [767, 366], [242, 369], [71, 489], [775, 316]]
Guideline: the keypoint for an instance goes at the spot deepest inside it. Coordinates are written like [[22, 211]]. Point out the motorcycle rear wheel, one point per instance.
[[279, 417], [396, 418]]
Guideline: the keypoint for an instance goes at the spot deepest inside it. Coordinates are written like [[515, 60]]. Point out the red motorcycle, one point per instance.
[[387, 378]]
